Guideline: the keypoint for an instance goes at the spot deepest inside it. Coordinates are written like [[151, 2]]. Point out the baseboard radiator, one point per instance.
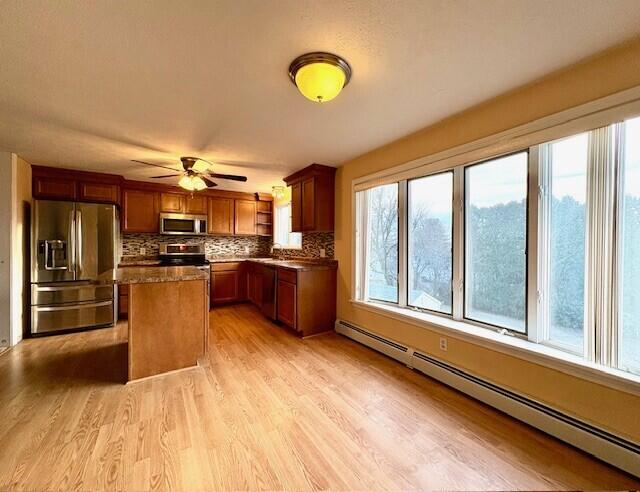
[[608, 447]]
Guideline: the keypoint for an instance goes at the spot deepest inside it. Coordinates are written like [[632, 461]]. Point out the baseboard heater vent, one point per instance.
[[610, 448], [381, 344]]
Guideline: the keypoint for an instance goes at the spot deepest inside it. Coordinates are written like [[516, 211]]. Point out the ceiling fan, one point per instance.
[[196, 175]]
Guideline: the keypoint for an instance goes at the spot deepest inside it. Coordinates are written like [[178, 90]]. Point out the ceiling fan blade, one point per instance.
[[166, 176], [155, 165], [232, 177], [208, 182]]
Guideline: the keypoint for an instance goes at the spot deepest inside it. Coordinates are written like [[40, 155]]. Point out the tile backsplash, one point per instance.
[[214, 245], [312, 243]]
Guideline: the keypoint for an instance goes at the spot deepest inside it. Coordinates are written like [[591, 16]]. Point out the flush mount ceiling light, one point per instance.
[[319, 76]]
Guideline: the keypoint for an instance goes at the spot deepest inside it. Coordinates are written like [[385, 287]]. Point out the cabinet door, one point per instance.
[[308, 204], [224, 286], [287, 303], [195, 204], [54, 188], [140, 211], [220, 216], [171, 202], [98, 192], [245, 223], [296, 207]]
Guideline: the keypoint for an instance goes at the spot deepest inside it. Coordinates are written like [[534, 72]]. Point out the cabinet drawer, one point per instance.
[[285, 275], [226, 266]]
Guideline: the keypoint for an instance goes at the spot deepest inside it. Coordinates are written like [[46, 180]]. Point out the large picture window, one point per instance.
[[540, 244], [429, 230], [495, 241]]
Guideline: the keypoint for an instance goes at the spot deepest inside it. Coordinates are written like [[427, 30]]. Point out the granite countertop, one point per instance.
[[301, 265], [154, 274], [233, 259]]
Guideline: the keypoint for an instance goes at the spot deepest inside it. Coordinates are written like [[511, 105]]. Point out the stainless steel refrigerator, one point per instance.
[[72, 245]]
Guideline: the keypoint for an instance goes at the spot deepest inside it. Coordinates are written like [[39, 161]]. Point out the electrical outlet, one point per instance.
[[443, 344], [246, 250], [143, 251], [323, 252]]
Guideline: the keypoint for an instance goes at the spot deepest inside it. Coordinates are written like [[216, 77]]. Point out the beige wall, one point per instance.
[[608, 73], [20, 225]]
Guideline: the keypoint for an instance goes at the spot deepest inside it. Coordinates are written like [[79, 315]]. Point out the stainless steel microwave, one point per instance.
[[183, 224]]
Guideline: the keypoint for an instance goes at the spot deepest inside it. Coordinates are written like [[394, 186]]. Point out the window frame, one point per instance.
[[453, 229], [521, 334]]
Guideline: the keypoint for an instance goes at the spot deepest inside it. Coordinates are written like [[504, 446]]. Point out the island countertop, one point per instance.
[[155, 274]]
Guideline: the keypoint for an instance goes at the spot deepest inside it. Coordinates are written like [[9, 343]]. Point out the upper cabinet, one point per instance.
[[220, 216], [186, 204], [171, 202], [245, 217], [140, 210], [50, 183], [312, 199], [195, 204]]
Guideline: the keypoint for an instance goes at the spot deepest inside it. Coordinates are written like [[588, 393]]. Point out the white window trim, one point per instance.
[[602, 112], [504, 343]]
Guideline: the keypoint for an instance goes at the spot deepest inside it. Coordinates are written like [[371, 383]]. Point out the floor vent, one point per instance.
[[598, 442]]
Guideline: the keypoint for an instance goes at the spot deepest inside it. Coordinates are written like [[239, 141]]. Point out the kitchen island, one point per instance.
[[168, 318]]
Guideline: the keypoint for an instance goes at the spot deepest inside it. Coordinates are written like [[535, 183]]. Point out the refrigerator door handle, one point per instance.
[[78, 242], [71, 258], [73, 306]]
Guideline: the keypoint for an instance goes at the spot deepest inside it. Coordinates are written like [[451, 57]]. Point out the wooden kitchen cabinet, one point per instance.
[[54, 188], [140, 211], [220, 216], [312, 199], [245, 217], [99, 192], [195, 204], [171, 202], [306, 299], [228, 282], [296, 207], [287, 303], [179, 203], [50, 183]]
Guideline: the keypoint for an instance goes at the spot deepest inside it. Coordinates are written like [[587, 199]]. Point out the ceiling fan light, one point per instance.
[[200, 166], [198, 183], [320, 76], [187, 183]]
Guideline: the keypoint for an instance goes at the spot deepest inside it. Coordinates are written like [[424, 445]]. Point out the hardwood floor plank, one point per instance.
[[269, 411]]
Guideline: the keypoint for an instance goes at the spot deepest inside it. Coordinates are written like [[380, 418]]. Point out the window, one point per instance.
[[564, 232], [455, 242], [495, 241], [429, 229], [382, 241], [629, 247], [282, 227]]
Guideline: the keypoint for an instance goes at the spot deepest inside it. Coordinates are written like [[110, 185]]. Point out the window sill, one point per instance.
[[543, 355]]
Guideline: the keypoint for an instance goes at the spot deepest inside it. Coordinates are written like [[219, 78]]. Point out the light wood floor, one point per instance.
[[270, 412]]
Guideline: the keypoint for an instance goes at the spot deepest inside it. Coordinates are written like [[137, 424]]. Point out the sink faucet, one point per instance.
[[281, 254]]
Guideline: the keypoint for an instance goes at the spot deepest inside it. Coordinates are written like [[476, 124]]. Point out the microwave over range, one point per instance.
[[183, 224]]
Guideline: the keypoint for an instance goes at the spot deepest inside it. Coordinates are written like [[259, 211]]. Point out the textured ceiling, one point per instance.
[[93, 84]]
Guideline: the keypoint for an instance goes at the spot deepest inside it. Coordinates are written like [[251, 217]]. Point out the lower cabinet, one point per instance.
[[228, 282], [287, 303], [306, 299], [123, 301]]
